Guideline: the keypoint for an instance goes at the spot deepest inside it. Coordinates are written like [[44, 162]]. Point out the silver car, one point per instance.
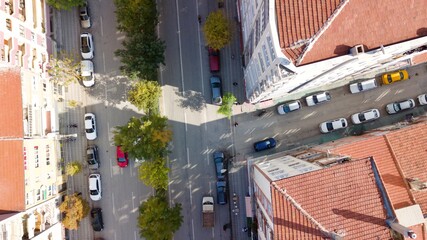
[[92, 157], [216, 90], [396, 107], [289, 107], [363, 86]]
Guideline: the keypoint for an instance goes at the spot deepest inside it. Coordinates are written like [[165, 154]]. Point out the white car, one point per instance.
[[90, 126], [332, 125], [363, 86], [396, 107], [86, 45], [95, 190], [318, 98], [422, 99], [86, 71], [289, 107], [84, 16], [365, 116]]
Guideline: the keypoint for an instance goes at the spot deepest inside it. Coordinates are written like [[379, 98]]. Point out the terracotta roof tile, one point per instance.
[[343, 198], [358, 22], [11, 124]]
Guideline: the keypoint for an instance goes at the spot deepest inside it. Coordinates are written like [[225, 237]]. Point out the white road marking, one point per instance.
[[179, 45], [135, 235], [102, 26], [192, 227], [103, 62], [112, 200]]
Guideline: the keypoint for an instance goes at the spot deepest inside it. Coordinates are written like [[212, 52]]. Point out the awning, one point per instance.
[[248, 203]]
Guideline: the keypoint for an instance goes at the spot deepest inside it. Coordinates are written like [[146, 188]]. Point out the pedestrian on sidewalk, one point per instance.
[[235, 84], [235, 124]]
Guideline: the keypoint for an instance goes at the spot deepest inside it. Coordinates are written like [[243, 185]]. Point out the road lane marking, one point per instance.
[[179, 45], [112, 200], [135, 236], [192, 227], [103, 61], [102, 26]]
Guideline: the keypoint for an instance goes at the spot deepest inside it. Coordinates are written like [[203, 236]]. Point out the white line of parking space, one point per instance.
[[102, 26]]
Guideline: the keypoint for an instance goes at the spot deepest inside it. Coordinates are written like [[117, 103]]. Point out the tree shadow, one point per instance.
[[191, 100]]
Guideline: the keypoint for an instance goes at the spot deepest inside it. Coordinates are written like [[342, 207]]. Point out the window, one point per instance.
[[36, 156], [9, 24], [25, 158], [49, 190], [261, 62], [267, 59], [270, 45], [47, 155], [21, 31], [38, 197]]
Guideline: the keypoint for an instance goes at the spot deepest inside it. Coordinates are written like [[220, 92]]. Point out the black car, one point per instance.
[[97, 222]]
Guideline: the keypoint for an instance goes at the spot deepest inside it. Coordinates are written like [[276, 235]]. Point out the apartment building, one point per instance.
[[371, 186], [292, 48]]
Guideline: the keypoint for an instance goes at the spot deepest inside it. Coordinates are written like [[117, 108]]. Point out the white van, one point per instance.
[[363, 86], [86, 71]]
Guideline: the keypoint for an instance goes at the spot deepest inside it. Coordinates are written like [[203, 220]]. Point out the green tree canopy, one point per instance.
[[136, 16], [217, 30], [64, 69], [154, 173], [145, 95], [158, 221], [75, 209], [65, 4], [146, 137], [142, 55], [227, 105], [73, 168]]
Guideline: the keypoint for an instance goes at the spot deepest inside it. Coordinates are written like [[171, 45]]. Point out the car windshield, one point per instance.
[[88, 118], [396, 107], [84, 17], [362, 117], [90, 156], [315, 99], [93, 192], [215, 85], [121, 159], [89, 130], [360, 87], [286, 108], [329, 126]]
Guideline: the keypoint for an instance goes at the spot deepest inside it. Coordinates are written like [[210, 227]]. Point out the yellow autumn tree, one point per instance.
[[217, 30], [75, 209]]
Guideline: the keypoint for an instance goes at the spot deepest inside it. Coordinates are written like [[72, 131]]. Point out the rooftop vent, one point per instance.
[[417, 185], [356, 50]]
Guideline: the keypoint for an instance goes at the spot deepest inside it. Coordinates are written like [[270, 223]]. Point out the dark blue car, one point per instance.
[[220, 192], [219, 165], [265, 144]]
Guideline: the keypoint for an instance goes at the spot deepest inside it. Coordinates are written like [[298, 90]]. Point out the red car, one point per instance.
[[214, 60], [122, 158]]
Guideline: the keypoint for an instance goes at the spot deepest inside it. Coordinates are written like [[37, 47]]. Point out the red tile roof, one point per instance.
[[366, 22], [12, 183], [343, 198]]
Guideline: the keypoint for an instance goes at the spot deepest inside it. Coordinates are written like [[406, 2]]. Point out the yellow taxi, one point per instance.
[[395, 76]]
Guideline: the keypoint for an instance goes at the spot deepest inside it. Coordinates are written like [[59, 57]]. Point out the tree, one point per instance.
[[73, 168], [136, 16], [146, 137], [227, 105], [217, 30], [64, 69], [75, 209], [142, 55], [158, 221], [145, 95], [65, 4], [154, 173]]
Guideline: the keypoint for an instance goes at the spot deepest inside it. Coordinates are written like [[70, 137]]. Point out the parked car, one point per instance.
[[333, 125], [216, 90], [86, 72], [219, 165], [392, 77], [92, 157], [95, 190], [318, 98], [221, 192], [396, 107], [122, 157], [422, 99], [84, 16], [86, 45], [363, 86], [365, 116], [289, 107], [214, 64], [265, 144], [97, 221], [90, 126]]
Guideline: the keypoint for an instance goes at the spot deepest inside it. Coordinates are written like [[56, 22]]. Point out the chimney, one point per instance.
[[405, 231]]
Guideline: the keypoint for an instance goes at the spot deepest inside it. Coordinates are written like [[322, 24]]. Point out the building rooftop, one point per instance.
[[343, 199], [311, 31], [11, 144]]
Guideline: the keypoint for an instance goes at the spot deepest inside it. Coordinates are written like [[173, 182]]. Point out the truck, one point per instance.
[[208, 211]]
